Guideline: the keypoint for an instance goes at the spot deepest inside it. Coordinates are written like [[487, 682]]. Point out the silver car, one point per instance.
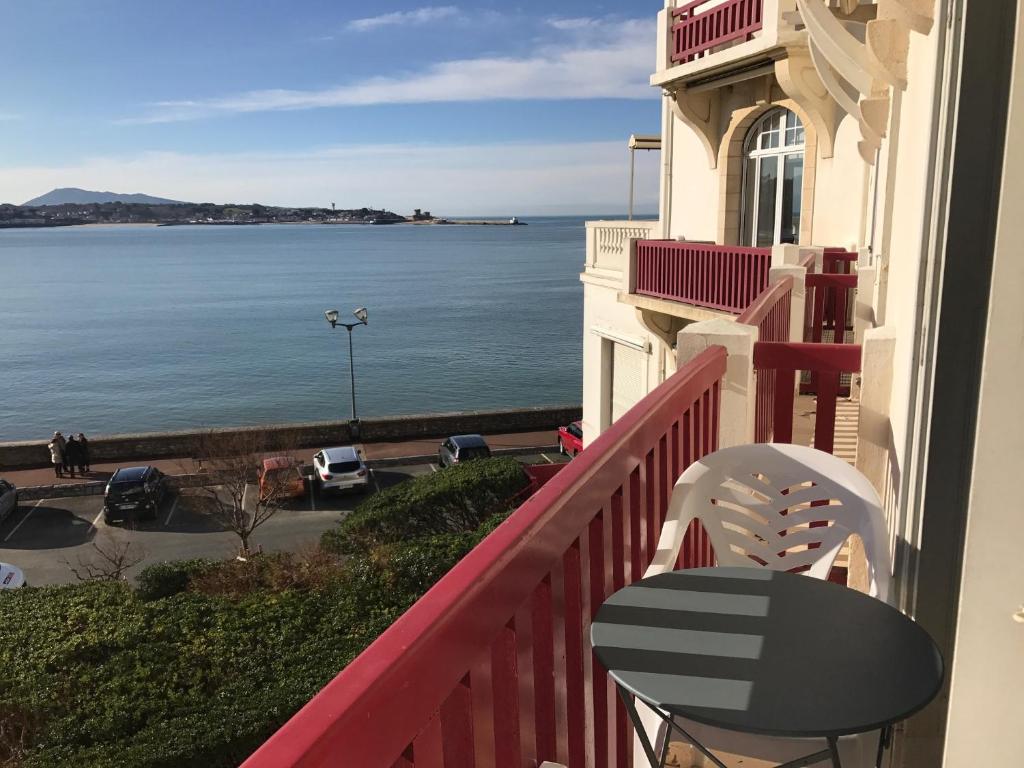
[[459, 448], [8, 499], [340, 469]]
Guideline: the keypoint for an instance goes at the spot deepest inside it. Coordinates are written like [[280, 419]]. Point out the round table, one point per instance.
[[765, 652]]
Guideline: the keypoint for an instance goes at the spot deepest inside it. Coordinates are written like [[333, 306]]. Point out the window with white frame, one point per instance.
[[773, 176]]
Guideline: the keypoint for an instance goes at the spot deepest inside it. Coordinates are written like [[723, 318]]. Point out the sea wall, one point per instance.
[[172, 445]]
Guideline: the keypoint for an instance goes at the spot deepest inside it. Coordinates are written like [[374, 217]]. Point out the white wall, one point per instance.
[[839, 192], [694, 212]]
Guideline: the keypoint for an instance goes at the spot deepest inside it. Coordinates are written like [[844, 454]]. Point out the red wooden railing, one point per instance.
[[827, 362], [695, 31], [720, 277], [770, 314], [838, 261], [492, 667]]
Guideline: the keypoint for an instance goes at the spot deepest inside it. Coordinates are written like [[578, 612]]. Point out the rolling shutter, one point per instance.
[[629, 367]]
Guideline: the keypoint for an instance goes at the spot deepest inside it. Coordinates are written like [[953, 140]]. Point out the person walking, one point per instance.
[[84, 465], [72, 455], [57, 455]]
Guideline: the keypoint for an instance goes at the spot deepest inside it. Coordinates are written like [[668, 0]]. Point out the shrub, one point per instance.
[[455, 500], [310, 568], [205, 660], [166, 579]]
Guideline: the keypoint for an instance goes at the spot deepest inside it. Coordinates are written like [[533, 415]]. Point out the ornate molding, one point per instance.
[[701, 112], [859, 64], [799, 79]]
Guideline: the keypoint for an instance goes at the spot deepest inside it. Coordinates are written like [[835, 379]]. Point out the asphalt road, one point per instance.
[[47, 538]]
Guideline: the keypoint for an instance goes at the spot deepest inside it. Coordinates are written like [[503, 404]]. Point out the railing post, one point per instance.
[[629, 275], [873, 431], [785, 254], [737, 413], [819, 256], [797, 299]]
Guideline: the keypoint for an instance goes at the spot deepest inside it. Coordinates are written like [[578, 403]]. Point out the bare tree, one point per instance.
[[111, 557], [238, 492]]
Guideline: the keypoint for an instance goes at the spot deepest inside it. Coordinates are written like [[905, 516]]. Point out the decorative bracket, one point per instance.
[[701, 112], [799, 79]]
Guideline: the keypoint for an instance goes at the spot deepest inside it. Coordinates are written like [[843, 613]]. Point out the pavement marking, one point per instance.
[[170, 514], [245, 491], [433, 467], [547, 458], [376, 485], [96, 522], [21, 522]]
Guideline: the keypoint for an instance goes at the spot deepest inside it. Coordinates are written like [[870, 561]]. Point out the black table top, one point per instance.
[[765, 652]]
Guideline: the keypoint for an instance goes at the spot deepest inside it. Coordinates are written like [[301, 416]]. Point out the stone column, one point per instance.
[[738, 392], [785, 254], [798, 299]]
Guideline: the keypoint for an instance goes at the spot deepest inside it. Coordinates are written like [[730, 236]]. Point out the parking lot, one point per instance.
[[46, 538]]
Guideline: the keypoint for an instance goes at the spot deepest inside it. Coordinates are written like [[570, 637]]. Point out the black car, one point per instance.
[[134, 493], [462, 448]]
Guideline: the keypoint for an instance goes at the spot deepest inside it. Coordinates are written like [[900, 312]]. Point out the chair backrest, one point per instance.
[[764, 504]]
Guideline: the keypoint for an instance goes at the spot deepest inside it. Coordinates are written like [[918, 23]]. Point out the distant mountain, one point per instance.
[[77, 196]]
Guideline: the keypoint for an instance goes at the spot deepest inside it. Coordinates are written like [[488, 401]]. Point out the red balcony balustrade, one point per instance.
[[492, 666], [826, 362], [770, 314], [699, 26], [722, 277]]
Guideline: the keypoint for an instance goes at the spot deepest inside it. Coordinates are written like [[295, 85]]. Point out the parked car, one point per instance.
[[134, 493], [281, 478], [11, 576], [461, 448], [570, 439], [340, 469], [8, 498]]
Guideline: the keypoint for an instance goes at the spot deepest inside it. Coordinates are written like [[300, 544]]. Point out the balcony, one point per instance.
[[608, 244], [492, 666], [700, 38], [719, 277]]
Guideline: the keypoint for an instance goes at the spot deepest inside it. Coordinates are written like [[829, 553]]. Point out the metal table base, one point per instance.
[[658, 761]]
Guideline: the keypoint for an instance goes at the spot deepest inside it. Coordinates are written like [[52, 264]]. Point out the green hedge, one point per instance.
[[168, 677], [453, 500], [166, 579]]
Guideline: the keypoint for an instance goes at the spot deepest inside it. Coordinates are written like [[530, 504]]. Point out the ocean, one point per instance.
[[122, 329]]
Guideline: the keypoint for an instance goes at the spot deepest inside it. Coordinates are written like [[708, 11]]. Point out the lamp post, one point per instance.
[[332, 317]]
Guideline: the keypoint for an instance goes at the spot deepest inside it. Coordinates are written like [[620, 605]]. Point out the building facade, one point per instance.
[[834, 125]]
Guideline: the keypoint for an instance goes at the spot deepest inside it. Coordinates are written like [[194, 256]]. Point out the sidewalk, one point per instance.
[[26, 478]]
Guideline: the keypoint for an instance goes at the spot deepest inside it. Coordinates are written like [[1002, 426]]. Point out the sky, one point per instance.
[[475, 107]]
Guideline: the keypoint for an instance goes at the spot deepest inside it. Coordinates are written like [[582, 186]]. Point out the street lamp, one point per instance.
[[332, 317]]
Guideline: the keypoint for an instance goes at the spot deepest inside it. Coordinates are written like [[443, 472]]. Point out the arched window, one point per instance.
[[773, 175]]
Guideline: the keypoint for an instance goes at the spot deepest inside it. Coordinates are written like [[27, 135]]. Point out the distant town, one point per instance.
[[73, 207], [70, 214]]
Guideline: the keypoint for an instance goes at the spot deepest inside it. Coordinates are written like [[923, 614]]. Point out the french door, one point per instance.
[[773, 175]]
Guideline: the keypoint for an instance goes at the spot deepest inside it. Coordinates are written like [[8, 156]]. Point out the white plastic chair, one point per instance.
[[746, 498]]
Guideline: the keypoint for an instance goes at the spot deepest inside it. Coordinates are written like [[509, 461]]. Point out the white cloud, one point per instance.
[[610, 59], [423, 15], [504, 179], [574, 24]]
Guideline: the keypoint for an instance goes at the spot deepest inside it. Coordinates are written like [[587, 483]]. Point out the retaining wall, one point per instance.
[[173, 445]]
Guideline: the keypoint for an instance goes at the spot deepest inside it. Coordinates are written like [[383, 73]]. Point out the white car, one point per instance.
[[340, 469], [11, 576]]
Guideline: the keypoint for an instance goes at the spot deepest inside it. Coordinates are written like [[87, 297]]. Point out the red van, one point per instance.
[[281, 478]]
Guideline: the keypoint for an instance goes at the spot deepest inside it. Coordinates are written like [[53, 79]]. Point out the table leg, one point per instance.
[[641, 733], [833, 747]]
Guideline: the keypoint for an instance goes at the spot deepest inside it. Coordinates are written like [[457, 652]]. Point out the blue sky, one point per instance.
[[469, 107]]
